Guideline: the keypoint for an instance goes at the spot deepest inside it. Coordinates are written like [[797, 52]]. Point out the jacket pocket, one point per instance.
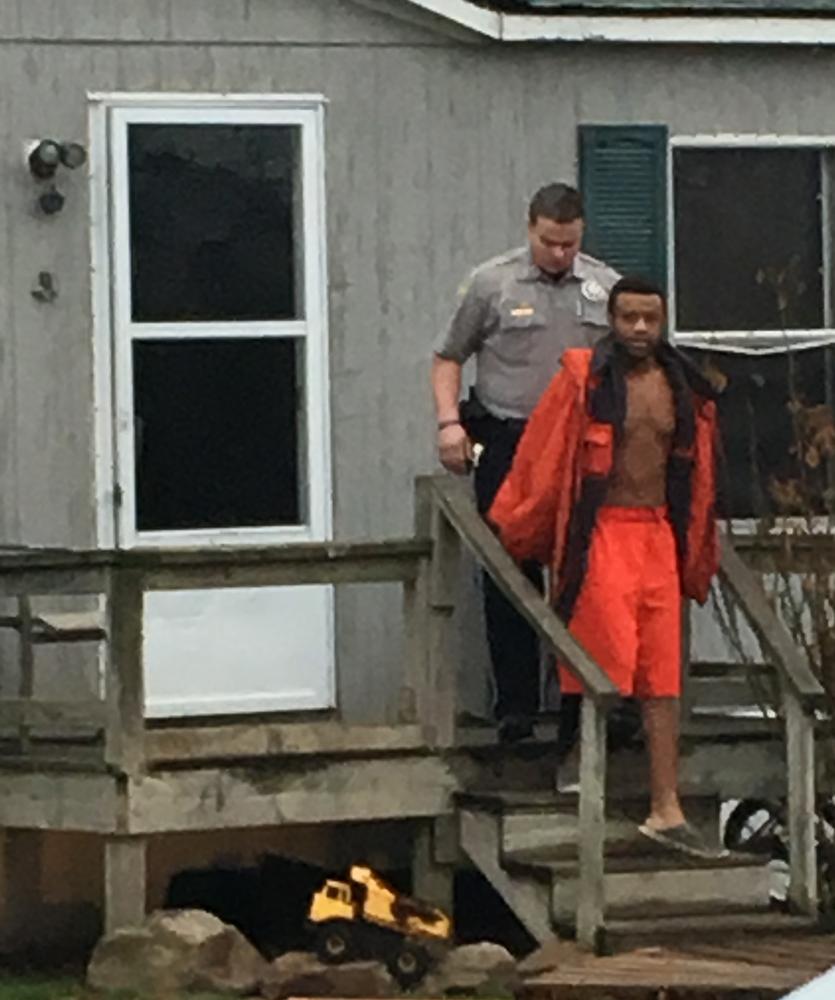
[[597, 450]]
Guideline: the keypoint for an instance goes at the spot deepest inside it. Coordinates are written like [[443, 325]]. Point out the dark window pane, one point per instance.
[[765, 411], [748, 239], [217, 433], [213, 222]]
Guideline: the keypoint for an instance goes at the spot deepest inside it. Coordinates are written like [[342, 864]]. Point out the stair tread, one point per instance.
[[682, 909], [627, 856], [710, 921]]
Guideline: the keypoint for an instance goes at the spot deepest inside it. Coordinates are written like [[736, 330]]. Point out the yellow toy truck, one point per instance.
[[365, 918]]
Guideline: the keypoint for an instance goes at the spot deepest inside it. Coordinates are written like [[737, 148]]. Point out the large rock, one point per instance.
[[300, 974], [484, 969], [177, 950]]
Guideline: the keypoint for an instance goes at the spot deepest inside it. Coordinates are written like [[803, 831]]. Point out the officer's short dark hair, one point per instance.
[[637, 285], [558, 202]]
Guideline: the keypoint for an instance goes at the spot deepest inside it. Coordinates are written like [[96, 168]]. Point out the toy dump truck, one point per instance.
[[365, 918]]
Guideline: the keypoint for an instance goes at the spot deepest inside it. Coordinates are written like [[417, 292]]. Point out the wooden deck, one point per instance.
[[753, 967]]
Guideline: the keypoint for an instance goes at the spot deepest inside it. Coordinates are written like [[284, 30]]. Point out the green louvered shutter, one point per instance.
[[623, 177]]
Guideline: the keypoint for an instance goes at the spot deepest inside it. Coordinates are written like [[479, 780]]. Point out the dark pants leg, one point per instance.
[[514, 647]]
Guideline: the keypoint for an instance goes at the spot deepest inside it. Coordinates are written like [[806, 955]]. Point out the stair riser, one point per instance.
[[714, 930], [679, 891], [730, 769]]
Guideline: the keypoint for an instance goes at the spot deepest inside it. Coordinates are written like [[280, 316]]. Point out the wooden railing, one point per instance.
[[802, 695], [426, 565], [447, 512], [120, 580]]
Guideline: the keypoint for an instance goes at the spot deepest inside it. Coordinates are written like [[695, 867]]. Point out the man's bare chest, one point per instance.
[[650, 410]]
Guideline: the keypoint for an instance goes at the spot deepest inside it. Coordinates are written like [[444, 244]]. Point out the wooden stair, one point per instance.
[[775, 758], [526, 844]]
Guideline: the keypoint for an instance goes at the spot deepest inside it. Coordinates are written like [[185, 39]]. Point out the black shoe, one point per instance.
[[514, 729], [686, 840]]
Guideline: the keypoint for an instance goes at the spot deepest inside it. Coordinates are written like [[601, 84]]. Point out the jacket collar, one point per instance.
[[605, 349]]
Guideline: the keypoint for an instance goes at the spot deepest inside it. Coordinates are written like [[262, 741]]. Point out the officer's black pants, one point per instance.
[[514, 647]]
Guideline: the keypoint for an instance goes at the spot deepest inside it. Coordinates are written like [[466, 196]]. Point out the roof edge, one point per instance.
[[482, 21], [647, 29]]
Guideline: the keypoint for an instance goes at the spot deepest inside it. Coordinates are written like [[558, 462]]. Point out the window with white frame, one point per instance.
[[750, 243], [751, 297]]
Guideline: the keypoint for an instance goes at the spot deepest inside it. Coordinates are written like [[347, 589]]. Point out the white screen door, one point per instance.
[[220, 387]]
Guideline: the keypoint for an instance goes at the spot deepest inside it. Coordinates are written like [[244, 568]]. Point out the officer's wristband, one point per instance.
[[443, 424]]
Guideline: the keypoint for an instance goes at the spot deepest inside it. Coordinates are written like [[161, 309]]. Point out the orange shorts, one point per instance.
[[628, 613]]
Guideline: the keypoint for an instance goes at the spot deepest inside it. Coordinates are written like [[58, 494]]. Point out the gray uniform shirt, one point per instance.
[[518, 321]]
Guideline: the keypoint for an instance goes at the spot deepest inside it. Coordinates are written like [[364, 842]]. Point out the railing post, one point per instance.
[[124, 680], [125, 882], [26, 660], [442, 695], [687, 698], [413, 697], [800, 768], [430, 607], [592, 823]]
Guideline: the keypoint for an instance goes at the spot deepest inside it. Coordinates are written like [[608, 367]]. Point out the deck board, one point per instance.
[[766, 966]]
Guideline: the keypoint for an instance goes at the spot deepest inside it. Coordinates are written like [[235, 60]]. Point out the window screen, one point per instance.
[[217, 435], [748, 241], [214, 224]]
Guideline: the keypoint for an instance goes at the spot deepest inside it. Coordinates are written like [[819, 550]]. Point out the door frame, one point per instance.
[[110, 110]]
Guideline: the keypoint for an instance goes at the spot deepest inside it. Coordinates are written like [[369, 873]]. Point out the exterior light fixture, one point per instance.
[[45, 156], [49, 154], [73, 155], [44, 159]]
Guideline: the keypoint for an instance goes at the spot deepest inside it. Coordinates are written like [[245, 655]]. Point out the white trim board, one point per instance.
[[643, 29], [759, 140], [187, 100]]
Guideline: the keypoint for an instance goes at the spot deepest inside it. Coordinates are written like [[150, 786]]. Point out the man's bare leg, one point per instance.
[[661, 724]]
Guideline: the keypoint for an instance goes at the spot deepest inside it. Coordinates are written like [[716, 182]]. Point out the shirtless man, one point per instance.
[[613, 486]]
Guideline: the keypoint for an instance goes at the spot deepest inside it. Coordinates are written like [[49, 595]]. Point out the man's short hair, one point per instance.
[[558, 202], [636, 285]]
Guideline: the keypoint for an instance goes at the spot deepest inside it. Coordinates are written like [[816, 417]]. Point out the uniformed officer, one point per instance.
[[517, 314]]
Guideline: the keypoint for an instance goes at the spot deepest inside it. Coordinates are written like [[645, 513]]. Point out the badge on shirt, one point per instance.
[[593, 291], [522, 311]]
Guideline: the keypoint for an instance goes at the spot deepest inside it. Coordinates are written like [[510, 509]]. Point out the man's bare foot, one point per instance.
[[664, 819]]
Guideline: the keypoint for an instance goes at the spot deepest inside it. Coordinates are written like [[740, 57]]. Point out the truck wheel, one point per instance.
[[408, 964], [334, 943]]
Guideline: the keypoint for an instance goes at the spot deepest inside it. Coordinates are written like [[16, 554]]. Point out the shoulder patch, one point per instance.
[[593, 291]]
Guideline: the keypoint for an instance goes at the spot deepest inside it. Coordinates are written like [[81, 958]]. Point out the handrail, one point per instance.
[[768, 627], [22, 558], [461, 512], [86, 571], [455, 508], [802, 693]]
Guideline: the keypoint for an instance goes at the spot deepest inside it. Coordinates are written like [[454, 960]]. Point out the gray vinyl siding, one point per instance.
[[432, 149]]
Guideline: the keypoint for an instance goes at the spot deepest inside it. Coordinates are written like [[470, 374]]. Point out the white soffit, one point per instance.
[[720, 29]]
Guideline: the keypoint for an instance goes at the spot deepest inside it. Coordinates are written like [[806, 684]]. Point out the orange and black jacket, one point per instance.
[[547, 506]]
